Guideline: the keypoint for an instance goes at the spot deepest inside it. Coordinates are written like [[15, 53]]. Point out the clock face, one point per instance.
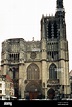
[[33, 55]]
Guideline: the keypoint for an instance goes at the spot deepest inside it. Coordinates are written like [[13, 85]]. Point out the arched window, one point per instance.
[[52, 72], [33, 72]]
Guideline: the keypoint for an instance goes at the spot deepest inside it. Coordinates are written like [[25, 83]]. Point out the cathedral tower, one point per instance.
[[39, 66], [53, 36]]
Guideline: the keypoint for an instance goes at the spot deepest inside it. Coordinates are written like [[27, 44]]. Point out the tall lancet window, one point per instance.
[[33, 72], [55, 29], [52, 72], [49, 30]]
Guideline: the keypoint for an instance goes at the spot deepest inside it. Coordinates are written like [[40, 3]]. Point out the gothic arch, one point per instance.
[[32, 72], [52, 71], [51, 93], [32, 87]]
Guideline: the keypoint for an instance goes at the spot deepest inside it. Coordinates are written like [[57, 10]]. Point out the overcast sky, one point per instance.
[[21, 19]]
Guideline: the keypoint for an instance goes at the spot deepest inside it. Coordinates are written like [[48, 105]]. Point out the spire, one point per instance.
[[59, 3], [60, 11]]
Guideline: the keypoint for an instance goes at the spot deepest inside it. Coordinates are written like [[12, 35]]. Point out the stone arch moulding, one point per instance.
[[33, 86]]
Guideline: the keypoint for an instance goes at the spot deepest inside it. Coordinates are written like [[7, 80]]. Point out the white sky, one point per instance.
[[21, 19]]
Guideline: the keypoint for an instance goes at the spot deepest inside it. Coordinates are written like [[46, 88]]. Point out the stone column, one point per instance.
[[21, 80], [44, 67], [44, 77], [5, 68], [67, 90]]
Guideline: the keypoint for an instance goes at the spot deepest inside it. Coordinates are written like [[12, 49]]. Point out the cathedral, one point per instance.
[[38, 66]]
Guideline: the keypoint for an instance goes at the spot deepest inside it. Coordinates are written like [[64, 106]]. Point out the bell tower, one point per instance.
[[55, 55]]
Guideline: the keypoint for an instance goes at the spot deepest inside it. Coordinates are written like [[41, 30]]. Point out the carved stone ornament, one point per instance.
[[33, 55]]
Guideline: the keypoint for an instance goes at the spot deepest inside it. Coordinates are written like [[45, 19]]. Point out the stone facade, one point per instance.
[[37, 66]]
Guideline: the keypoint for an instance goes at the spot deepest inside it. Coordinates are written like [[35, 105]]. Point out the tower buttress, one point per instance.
[[44, 56], [42, 28]]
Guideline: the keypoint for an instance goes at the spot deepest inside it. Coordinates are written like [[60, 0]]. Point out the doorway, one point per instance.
[[33, 95]]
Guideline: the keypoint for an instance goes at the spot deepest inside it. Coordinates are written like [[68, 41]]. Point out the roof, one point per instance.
[[70, 73], [8, 78]]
